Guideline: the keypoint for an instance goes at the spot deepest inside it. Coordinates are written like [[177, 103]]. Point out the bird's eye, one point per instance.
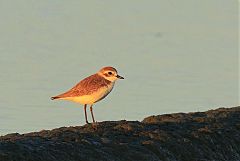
[[110, 73]]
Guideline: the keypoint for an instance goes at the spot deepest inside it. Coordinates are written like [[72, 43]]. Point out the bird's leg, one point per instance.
[[85, 112], [92, 114]]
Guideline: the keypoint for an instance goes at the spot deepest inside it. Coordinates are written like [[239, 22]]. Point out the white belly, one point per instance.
[[92, 98]]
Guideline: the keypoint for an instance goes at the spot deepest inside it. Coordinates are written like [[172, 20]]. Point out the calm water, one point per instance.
[[174, 57]]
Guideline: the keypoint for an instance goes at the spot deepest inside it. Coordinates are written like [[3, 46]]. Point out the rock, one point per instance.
[[210, 135]]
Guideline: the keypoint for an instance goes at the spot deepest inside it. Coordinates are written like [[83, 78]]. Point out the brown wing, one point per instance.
[[85, 87]]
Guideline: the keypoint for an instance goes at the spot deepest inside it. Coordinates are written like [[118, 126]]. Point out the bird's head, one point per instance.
[[109, 73]]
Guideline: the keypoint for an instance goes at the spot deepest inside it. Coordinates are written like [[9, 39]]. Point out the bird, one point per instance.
[[91, 89]]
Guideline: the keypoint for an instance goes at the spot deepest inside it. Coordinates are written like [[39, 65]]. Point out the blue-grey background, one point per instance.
[[176, 56]]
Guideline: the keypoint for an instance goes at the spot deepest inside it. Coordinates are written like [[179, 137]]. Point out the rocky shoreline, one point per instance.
[[196, 136]]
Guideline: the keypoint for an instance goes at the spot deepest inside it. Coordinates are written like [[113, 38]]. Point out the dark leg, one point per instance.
[[92, 113], [85, 111]]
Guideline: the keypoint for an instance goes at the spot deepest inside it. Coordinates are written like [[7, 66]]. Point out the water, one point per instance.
[[174, 57]]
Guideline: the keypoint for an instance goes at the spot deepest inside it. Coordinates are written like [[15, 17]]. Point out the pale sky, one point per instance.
[[176, 56]]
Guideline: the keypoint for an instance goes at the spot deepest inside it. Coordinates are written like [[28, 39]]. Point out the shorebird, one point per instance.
[[92, 89]]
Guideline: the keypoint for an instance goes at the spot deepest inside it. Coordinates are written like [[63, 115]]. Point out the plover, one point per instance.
[[92, 89]]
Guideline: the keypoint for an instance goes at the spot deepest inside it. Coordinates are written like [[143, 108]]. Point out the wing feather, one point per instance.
[[85, 87]]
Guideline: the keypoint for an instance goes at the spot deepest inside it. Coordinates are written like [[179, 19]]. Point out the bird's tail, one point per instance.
[[53, 98]]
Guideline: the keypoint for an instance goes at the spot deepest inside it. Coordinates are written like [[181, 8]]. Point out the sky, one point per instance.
[[176, 56]]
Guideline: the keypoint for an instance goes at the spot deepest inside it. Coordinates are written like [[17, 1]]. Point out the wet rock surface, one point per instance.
[[198, 136]]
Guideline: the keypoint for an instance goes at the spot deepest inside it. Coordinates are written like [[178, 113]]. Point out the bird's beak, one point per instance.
[[119, 77]]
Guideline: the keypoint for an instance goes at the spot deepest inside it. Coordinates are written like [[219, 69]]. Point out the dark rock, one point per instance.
[[211, 135]]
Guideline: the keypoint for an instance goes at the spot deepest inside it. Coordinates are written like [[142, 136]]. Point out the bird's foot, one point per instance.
[[94, 125]]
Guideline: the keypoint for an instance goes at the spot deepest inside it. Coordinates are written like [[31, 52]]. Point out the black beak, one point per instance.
[[119, 77]]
